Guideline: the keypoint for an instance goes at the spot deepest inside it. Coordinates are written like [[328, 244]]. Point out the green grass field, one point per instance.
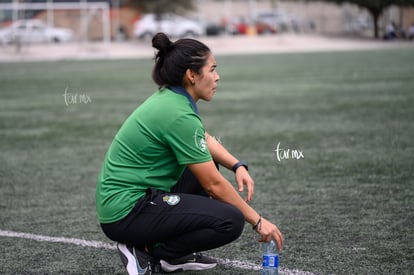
[[347, 207]]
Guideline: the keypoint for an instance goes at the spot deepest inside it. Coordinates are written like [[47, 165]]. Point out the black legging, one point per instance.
[[196, 223]]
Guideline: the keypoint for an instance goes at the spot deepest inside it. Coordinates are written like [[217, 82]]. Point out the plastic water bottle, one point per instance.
[[270, 259]]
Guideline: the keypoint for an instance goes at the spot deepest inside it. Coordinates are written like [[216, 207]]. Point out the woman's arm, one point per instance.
[[219, 188], [219, 153], [224, 158]]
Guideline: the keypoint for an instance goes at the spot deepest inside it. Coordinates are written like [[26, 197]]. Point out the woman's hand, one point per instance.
[[268, 231], [243, 179]]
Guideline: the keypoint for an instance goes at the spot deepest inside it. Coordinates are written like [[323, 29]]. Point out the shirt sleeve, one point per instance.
[[186, 138]]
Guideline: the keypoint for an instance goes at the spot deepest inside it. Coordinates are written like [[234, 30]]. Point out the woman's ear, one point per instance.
[[189, 76]]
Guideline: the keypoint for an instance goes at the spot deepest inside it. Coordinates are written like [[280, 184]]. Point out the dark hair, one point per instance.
[[174, 58]]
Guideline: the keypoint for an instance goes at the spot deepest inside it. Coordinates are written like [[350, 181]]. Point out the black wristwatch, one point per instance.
[[238, 164]]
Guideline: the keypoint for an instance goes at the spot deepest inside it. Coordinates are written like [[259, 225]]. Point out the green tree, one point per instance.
[[375, 7], [162, 6]]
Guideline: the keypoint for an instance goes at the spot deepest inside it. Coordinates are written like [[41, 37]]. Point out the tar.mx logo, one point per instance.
[[284, 154], [214, 140], [75, 98]]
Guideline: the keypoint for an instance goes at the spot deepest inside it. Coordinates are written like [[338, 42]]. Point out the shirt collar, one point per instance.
[[180, 90]]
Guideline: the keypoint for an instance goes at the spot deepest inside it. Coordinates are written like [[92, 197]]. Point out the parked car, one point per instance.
[[241, 25], [358, 25], [33, 31], [210, 28], [284, 21], [171, 24]]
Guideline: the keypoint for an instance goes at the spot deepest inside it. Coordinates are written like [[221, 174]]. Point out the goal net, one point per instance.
[[88, 21]]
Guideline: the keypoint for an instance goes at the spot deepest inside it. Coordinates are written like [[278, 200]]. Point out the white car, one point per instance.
[[284, 21], [171, 24], [33, 31]]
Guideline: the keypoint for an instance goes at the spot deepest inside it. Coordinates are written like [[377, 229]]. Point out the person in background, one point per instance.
[[410, 32], [390, 31], [160, 194]]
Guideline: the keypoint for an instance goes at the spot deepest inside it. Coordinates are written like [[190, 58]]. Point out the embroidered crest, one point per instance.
[[171, 199], [200, 141]]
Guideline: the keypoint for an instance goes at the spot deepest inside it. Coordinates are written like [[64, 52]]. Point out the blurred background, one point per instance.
[[33, 22]]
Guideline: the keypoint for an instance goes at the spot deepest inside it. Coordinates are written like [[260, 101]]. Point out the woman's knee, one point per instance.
[[239, 221], [233, 223]]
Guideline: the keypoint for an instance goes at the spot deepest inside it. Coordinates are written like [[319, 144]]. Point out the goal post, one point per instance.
[[88, 11]]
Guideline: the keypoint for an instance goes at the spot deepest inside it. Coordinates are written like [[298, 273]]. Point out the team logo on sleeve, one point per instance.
[[200, 141], [171, 199]]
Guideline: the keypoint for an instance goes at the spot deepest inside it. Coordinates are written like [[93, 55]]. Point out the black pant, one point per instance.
[[171, 229]]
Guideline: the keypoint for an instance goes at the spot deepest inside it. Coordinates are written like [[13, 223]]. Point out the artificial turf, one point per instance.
[[345, 206]]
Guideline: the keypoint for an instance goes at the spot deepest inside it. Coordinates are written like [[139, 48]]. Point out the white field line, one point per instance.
[[42, 238], [96, 244]]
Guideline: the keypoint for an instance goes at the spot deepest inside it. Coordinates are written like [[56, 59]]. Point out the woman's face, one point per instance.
[[205, 84]]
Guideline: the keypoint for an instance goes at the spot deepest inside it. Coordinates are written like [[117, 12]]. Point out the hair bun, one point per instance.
[[162, 43]]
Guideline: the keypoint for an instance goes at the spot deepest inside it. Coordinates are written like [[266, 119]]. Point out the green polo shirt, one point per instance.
[[150, 150]]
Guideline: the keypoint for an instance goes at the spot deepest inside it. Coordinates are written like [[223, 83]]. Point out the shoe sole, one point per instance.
[[128, 260], [185, 267]]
